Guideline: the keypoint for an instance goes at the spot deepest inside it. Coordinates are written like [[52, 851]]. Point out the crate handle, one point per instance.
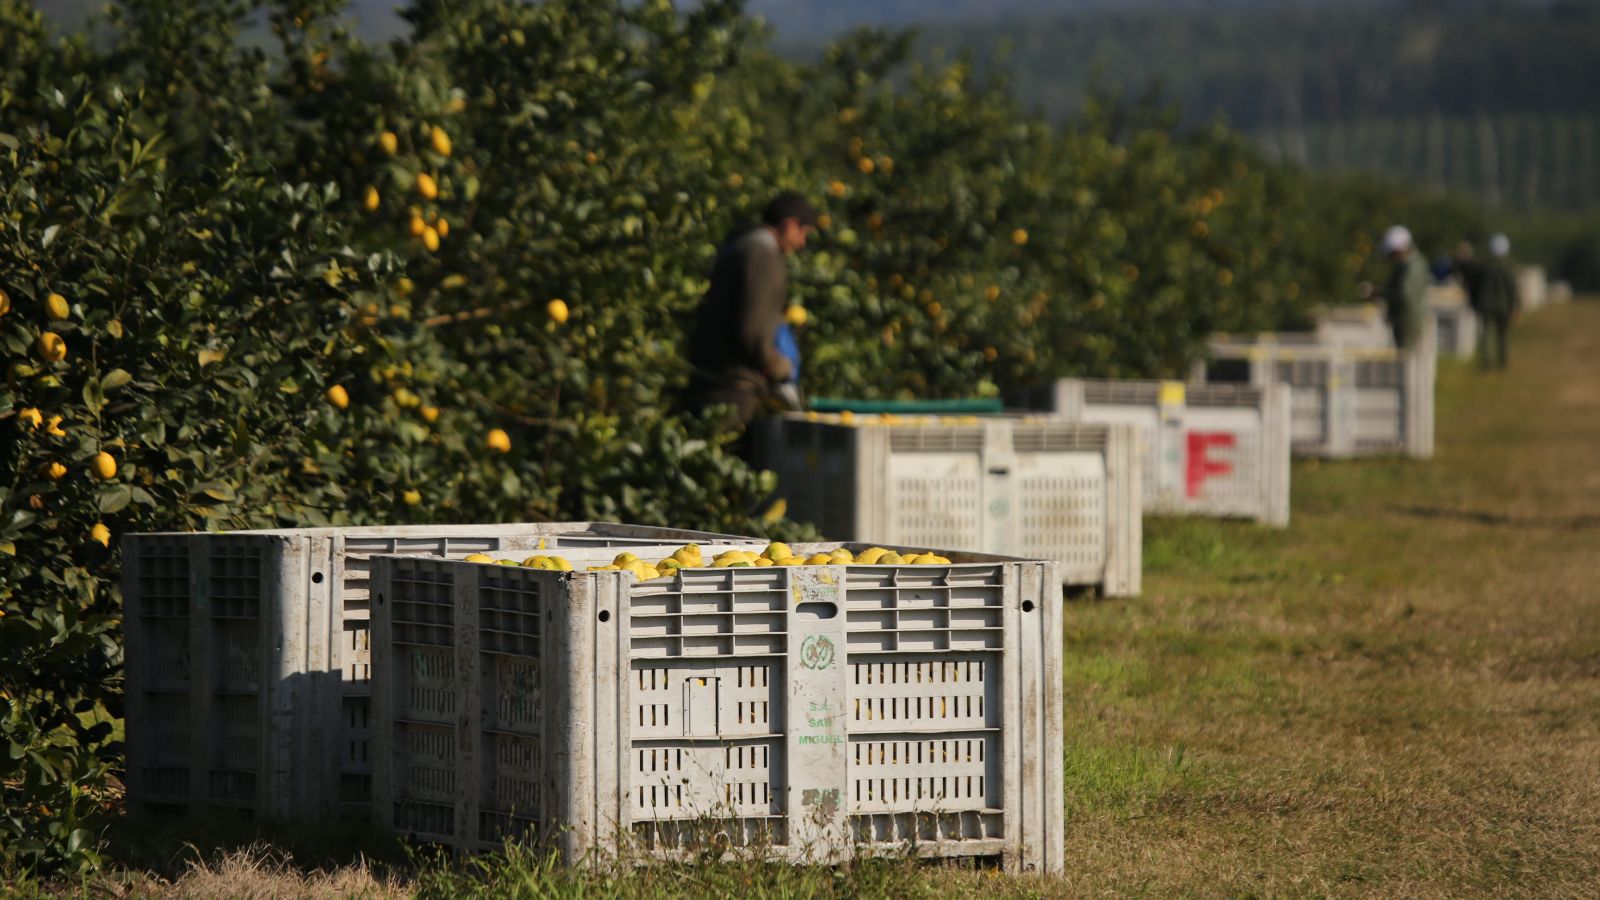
[[816, 610], [999, 470]]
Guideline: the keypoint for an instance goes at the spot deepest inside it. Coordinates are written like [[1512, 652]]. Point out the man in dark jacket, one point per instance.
[[1495, 302], [733, 350]]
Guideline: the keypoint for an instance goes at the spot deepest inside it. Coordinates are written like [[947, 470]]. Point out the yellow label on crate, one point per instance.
[[1172, 393]]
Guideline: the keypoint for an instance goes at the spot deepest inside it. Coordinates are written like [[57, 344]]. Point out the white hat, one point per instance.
[[1500, 245], [1397, 238]]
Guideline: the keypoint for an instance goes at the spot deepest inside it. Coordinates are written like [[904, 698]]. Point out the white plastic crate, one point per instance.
[[1454, 324], [1533, 290], [248, 661], [1357, 325], [814, 712], [1212, 450], [1023, 486], [1345, 401]]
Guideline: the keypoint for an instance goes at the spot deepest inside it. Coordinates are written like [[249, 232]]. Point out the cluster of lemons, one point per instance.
[[690, 556]]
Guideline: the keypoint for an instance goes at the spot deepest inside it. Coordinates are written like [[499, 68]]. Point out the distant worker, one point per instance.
[[734, 350], [1493, 295], [1405, 294]]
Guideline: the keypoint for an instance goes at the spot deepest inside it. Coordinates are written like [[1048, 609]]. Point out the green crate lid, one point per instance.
[[964, 406]]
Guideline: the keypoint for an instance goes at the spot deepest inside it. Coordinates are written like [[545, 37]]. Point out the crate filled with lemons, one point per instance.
[[690, 556]]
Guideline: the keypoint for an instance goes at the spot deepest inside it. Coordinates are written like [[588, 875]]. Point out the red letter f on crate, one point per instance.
[[1200, 466]]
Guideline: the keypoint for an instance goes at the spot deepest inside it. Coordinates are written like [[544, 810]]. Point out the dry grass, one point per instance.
[[1400, 695]]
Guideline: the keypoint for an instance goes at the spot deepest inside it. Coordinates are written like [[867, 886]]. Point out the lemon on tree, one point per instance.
[[338, 396], [557, 311], [56, 306], [427, 186], [389, 142], [498, 440], [52, 347], [105, 465]]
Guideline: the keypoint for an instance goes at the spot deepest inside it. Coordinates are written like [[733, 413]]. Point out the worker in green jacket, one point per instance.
[[1495, 302], [1404, 295]]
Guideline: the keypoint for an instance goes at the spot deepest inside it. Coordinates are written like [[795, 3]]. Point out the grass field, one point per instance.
[[1400, 695]]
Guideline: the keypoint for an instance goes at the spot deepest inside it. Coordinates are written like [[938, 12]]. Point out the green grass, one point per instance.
[[1395, 696]]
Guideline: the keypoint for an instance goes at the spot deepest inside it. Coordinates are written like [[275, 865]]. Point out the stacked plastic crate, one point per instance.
[[248, 663]]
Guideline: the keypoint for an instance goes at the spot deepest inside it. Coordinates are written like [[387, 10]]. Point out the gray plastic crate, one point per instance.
[[1210, 450], [1024, 486], [1345, 401], [801, 713], [248, 658]]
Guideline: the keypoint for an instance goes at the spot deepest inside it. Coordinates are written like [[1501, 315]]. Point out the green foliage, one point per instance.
[[306, 286]]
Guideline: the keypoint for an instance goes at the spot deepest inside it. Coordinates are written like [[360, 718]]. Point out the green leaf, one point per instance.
[[114, 379], [115, 498]]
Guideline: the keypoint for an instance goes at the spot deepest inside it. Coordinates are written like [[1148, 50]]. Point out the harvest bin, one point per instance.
[[248, 665], [1210, 450], [1346, 401], [1454, 324], [1023, 486], [807, 713]]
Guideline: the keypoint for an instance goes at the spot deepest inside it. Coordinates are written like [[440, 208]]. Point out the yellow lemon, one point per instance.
[[819, 559], [625, 558], [837, 188], [430, 239], [847, 418], [866, 165], [430, 413], [5, 303], [561, 563], [1019, 237], [54, 471], [105, 465], [442, 226], [101, 534], [479, 558], [870, 557], [792, 561], [57, 306], [426, 186], [440, 141], [797, 316], [669, 564], [417, 227], [557, 310], [891, 558], [32, 416], [338, 396], [689, 556], [389, 142], [499, 440], [412, 497], [762, 562], [52, 347], [777, 550], [53, 427], [370, 199], [843, 555]]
